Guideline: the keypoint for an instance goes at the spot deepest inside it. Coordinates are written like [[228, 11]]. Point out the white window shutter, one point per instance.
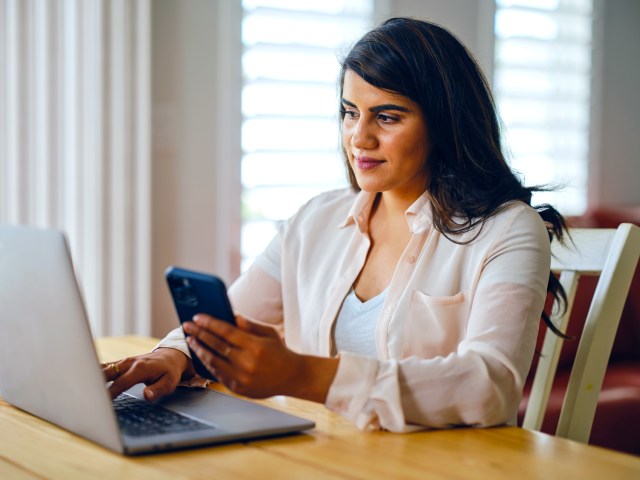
[[542, 85], [290, 135]]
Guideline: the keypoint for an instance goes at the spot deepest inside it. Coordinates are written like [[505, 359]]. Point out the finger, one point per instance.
[[112, 370], [132, 376], [122, 384], [212, 342], [229, 333], [215, 363], [259, 329], [162, 387]]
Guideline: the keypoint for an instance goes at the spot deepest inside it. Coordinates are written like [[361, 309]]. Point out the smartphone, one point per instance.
[[195, 292]]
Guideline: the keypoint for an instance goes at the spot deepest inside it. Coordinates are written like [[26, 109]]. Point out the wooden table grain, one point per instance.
[[31, 448]]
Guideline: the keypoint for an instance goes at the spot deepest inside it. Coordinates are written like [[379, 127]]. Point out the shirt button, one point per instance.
[[411, 259]]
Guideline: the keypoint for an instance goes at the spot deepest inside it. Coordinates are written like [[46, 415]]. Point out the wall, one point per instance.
[[470, 20], [615, 159], [194, 122]]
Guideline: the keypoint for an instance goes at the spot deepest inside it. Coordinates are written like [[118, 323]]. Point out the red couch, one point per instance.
[[616, 424]]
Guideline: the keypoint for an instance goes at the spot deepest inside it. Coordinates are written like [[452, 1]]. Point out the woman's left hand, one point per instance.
[[253, 360]]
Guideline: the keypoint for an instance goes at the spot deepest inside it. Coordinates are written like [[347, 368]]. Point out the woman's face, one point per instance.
[[385, 137]]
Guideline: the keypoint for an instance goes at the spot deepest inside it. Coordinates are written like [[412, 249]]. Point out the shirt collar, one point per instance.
[[418, 214], [360, 211]]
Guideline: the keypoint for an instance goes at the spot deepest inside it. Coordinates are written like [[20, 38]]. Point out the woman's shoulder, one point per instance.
[[339, 195], [512, 217], [517, 208], [333, 203], [518, 218], [320, 219]]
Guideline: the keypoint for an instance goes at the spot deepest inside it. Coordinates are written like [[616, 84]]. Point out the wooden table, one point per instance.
[[31, 448]]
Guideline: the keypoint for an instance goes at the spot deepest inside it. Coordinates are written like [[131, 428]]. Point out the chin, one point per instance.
[[369, 187]]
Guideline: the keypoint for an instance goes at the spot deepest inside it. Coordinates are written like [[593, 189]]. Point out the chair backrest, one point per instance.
[[613, 255]]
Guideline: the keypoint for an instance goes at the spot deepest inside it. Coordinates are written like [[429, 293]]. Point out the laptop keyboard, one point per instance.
[[140, 418]]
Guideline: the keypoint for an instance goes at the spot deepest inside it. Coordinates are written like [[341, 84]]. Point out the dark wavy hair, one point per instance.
[[469, 179]]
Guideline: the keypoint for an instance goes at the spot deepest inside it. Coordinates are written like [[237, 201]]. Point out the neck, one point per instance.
[[395, 204]]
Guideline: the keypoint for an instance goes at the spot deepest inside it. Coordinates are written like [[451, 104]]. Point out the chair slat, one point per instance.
[[549, 357], [585, 253], [613, 254], [596, 341]]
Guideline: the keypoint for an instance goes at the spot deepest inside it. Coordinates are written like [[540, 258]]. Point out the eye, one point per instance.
[[349, 114], [387, 119]]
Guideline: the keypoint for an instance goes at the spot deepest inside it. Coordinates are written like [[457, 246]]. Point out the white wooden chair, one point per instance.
[[612, 254]]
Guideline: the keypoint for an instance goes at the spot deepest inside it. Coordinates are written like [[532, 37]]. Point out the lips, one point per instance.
[[367, 163]]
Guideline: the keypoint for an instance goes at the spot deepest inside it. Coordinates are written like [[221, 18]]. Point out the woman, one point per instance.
[[411, 299]]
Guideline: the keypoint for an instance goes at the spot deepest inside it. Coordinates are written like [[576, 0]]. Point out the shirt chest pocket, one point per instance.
[[435, 325]]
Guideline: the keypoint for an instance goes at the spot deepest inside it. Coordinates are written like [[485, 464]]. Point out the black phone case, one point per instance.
[[195, 292]]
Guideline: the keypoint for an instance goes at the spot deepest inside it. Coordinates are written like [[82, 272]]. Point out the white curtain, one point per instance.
[[75, 143]]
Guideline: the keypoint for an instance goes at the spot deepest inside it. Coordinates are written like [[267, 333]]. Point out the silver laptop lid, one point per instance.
[[48, 364]]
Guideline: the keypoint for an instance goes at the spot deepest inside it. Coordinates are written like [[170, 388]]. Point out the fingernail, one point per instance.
[[150, 395], [196, 318]]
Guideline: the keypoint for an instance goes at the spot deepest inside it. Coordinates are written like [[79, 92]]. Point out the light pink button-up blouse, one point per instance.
[[457, 332]]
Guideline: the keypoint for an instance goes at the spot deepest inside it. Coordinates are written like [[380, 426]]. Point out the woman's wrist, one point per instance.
[[315, 377], [178, 358]]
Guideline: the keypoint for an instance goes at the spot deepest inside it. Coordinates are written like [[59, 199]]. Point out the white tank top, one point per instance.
[[355, 327]]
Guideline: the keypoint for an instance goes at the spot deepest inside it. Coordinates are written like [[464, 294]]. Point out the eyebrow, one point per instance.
[[380, 108]]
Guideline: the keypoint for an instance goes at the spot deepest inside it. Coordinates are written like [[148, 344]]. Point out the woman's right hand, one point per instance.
[[161, 371]]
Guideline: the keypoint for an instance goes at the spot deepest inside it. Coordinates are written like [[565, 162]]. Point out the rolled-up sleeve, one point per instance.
[[174, 339]]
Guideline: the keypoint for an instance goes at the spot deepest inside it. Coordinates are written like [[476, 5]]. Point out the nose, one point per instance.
[[363, 135]]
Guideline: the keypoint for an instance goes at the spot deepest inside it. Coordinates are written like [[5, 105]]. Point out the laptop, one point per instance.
[[49, 366]]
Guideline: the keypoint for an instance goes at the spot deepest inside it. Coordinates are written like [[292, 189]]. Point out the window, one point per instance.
[[542, 84], [290, 136]]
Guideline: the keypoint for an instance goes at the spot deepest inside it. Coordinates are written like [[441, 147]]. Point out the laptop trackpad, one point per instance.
[[225, 412]]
